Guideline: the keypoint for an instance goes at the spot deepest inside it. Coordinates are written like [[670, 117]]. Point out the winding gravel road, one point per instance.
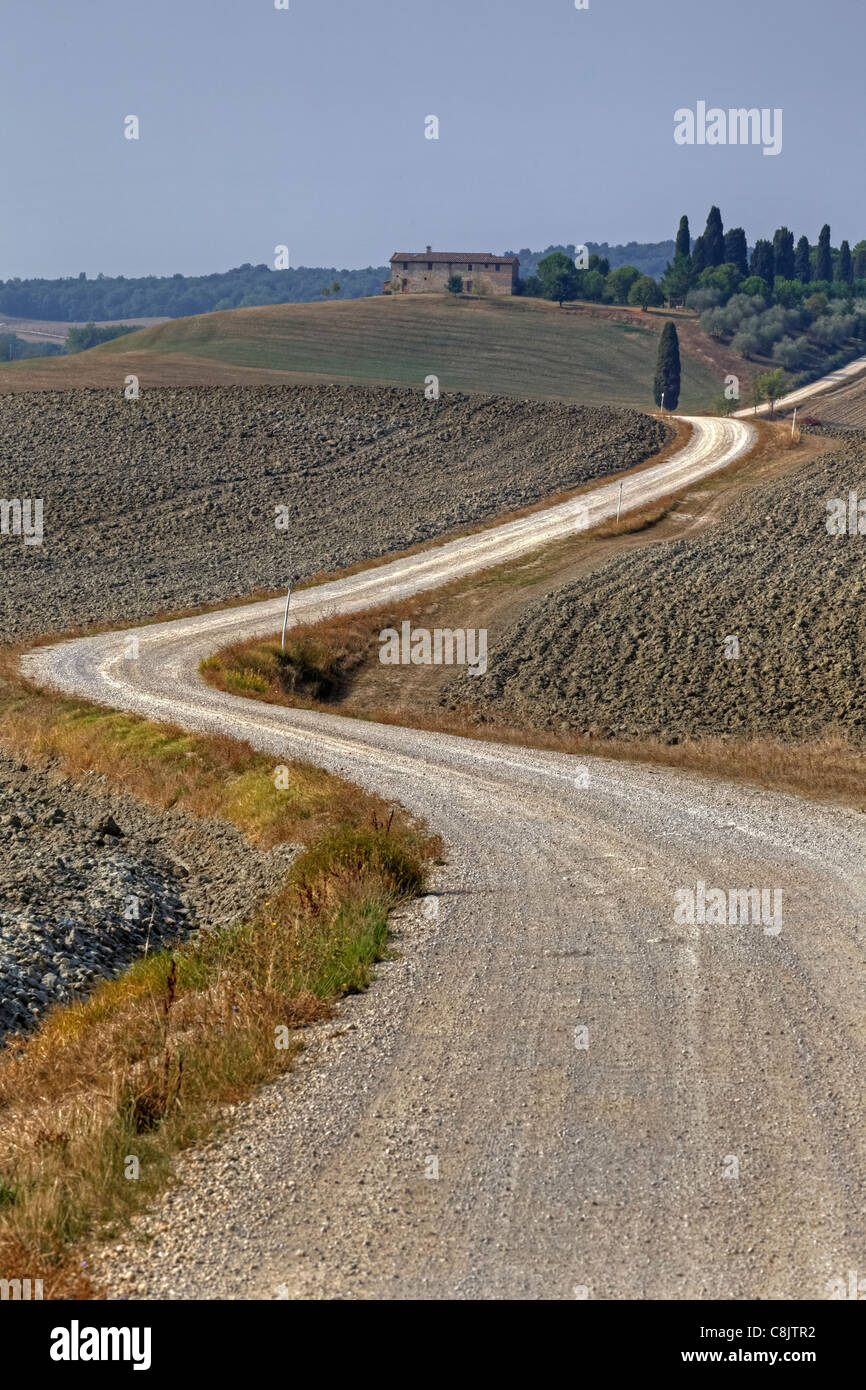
[[555, 1090]]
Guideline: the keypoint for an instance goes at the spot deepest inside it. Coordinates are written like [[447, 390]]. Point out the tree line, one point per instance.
[[77, 298], [777, 270], [840, 271]]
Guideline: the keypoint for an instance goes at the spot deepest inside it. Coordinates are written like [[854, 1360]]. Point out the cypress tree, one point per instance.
[[667, 377], [802, 264], [764, 262], [683, 243], [736, 251], [783, 250], [824, 263], [714, 238], [844, 271], [699, 256]]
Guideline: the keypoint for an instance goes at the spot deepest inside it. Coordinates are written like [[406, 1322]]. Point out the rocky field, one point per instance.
[[754, 628], [169, 501], [89, 879], [844, 408]]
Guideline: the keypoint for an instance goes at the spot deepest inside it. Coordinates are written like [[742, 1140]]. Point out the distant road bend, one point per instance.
[[618, 1106], [850, 372]]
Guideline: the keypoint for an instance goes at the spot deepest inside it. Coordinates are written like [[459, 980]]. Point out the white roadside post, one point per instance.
[[286, 615], [619, 502], [794, 422]]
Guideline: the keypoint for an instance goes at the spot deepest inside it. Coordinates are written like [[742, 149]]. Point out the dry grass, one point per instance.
[[207, 775], [639, 519], [148, 1063], [95, 1105], [318, 661]]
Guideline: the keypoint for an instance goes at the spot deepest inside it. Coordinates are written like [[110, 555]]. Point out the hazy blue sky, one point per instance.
[[306, 126]]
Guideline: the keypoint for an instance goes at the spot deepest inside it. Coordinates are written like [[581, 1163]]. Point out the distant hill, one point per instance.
[[512, 347], [76, 299]]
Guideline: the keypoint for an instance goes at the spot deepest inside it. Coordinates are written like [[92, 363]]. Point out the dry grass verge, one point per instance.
[[95, 1105], [207, 775]]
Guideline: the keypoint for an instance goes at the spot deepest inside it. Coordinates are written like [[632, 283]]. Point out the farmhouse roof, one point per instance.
[[452, 256]]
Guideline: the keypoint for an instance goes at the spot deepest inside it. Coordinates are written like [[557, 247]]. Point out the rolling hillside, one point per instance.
[[516, 347]]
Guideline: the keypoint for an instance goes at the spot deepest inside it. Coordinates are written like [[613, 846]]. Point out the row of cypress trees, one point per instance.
[[780, 256]]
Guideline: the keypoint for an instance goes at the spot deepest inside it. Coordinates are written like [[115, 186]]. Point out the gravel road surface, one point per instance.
[[805, 393], [556, 1089]]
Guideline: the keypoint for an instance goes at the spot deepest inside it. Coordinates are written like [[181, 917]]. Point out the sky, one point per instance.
[[305, 127]]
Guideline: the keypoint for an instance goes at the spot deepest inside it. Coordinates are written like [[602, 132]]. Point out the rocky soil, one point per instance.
[[90, 879], [638, 649], [169, 501]]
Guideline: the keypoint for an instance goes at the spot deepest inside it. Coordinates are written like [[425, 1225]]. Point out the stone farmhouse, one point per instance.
[[428, 272]]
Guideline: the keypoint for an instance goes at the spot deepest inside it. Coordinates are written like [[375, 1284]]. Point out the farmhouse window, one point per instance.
[[405, 265], [429, 265]]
